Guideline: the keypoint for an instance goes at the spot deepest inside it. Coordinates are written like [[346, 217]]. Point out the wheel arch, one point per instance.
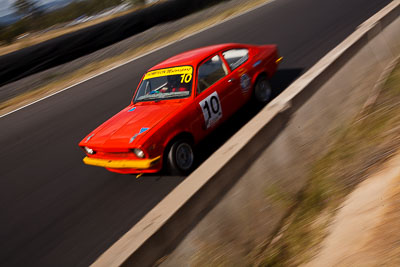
[[175, 137], [258, 75], [171, 141]]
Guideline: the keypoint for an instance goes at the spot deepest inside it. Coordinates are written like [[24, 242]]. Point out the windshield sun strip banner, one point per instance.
[[164, 95], [168, 72]]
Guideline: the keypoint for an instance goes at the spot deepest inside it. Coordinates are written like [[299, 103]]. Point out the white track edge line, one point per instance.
[[138, 57]]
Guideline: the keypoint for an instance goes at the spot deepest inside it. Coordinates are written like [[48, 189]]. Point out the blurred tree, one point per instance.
[[25, 7], [8, 34], [35, 19]]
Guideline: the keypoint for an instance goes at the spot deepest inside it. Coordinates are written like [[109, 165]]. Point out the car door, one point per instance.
[[240, 75], [212, 96]]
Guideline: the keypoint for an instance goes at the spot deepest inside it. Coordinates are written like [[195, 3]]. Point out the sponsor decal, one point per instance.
[[142, 130], [132, 109], [133, 138], [242, 70], [245, 82], [257, 63], [184, 71], [89, 137]]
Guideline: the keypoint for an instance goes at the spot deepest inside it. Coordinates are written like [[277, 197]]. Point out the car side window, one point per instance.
[[236, 57], [210, 72]]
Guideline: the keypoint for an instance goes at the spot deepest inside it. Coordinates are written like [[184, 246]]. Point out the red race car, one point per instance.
[[177, 103]]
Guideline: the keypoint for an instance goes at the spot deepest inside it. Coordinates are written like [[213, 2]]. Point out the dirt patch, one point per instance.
[[356, 151], [364, 230]]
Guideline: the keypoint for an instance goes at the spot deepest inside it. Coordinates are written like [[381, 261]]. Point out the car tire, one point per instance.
[[262, 91], [180, 158]]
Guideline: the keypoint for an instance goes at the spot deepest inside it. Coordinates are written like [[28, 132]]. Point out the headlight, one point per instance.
[[138, 152], [89, 150]]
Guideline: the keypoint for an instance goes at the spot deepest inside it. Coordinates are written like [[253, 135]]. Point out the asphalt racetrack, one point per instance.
[[56, 211]]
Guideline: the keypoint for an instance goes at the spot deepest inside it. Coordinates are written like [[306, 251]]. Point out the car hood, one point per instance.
[[129, 126]]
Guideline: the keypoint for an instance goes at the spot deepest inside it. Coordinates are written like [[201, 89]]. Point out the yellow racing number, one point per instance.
[[186, 78]]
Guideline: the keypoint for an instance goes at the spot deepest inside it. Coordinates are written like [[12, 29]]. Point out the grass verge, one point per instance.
[[65, 80], [357, 149]]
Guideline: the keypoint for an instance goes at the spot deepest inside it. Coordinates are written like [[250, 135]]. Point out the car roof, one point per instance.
[[195, 56]]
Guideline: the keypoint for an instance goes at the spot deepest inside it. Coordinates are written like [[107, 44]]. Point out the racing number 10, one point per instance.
[[212, 111], [214, 106], [186, 78]]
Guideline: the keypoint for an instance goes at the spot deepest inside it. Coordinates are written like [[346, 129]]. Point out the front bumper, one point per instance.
[[138, 164]]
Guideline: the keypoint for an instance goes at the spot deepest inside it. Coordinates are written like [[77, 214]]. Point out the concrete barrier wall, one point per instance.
[[227, 193]]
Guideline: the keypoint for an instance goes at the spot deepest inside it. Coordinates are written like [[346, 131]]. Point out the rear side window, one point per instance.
[[236, 57], [210, 72]]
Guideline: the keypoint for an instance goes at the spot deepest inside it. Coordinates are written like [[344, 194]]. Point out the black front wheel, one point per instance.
[[262, 91], [180, 158]]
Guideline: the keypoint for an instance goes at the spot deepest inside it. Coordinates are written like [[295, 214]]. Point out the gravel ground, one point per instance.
[[362, 233], [37, 80]]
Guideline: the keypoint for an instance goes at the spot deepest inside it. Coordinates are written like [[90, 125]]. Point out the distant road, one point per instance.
[[56, 211]]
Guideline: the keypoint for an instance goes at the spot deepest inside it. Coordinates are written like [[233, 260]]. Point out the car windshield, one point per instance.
[[163, 84]]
